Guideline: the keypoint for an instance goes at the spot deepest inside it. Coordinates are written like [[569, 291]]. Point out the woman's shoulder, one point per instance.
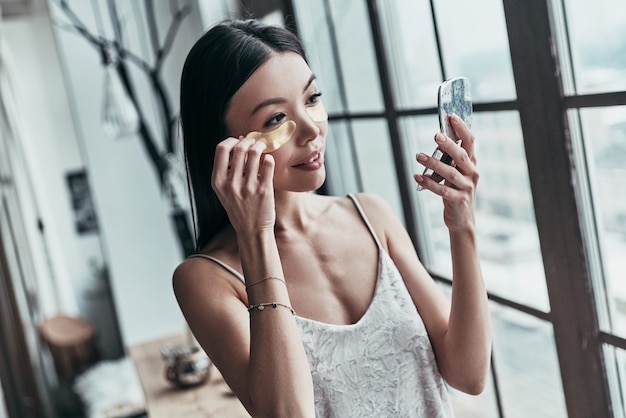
[[370, 200], [381, 216], [376, 208], [200, 283], [200, 266]]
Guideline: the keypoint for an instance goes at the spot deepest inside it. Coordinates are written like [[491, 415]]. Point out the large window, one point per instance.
[[548, 82]]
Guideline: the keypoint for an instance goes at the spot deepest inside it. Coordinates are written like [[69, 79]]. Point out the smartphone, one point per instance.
[[453, 97]]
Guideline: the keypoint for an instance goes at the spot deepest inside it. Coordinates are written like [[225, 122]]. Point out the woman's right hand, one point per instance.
[[243, 181]]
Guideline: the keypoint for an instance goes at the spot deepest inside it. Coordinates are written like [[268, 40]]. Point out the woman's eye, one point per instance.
[[314, 98], [275, 120]]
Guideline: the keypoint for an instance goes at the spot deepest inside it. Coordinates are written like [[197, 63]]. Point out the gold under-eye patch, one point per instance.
[[317, 113], [276, 138]]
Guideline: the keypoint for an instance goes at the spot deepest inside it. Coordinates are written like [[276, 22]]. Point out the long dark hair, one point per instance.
[[218, 64]]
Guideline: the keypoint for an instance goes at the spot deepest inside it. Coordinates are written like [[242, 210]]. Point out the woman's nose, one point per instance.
[[307, 129], [310, 122]]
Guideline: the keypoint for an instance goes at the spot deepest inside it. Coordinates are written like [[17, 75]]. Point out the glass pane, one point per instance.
[[411, 52], [526, 365], [342, 172], [358, 59], [604, 132], [342, 55], [474, 43], [417, 136], [615, 359], [375, 161], [507, 233], [597, 44], [315, 34]]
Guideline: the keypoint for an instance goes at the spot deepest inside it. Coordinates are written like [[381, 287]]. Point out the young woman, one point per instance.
[[312, 305]]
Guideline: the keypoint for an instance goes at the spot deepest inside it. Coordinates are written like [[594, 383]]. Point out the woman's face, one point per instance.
[[283, 89]]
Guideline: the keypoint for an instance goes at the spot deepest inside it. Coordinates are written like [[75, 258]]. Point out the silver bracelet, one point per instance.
[[261, 306], [264, 279]]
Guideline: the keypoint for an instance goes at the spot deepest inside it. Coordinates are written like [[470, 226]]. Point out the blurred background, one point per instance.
[[94, 212]]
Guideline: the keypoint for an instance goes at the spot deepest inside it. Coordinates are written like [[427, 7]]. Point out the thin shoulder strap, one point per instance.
[[221, 263], [365, 219]]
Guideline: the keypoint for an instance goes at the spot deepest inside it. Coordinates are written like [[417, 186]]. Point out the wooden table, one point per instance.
[[213, 398]]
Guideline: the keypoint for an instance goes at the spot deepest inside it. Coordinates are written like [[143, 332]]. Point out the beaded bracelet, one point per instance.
[[264, 279], [261, 306]]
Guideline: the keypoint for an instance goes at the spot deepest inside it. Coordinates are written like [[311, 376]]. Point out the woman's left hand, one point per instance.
[[461, 177]]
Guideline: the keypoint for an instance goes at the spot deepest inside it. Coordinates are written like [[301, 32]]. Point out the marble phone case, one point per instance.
[[454, 97]]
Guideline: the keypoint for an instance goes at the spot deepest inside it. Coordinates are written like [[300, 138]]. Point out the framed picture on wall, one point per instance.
[[85, 218]]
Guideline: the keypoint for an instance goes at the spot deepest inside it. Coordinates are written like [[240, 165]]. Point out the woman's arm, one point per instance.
[[468, 340], [259, 352], [465, 345]]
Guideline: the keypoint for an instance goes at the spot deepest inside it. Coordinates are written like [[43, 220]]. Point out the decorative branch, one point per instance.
[[79, 27], [117, 27], [99, 42], [160, 54], [160, 160], [152, 26], [152, 72], [171, 33]]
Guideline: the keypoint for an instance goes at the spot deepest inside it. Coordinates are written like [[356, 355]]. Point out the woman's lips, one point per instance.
[[312, 162]]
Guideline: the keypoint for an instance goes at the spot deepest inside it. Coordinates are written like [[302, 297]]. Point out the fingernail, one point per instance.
[[454, 117], [440, 138], [422, 157], [419, 179]]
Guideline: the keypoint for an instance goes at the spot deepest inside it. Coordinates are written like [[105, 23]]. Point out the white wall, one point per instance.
[[45, 149], [138, 237], [49, 150]]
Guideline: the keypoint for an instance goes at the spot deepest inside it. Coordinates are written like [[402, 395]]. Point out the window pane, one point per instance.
[[615, 359], [315, 34], [356, 72], [342, 172], [375, 161], [526, 365], [411, 52], [357, 55], [474, 43], [597, 44], [352, 150], [417, 136], [507, 233], [604, 131]]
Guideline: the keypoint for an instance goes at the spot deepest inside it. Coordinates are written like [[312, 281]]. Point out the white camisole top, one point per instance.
[[381, 366]]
